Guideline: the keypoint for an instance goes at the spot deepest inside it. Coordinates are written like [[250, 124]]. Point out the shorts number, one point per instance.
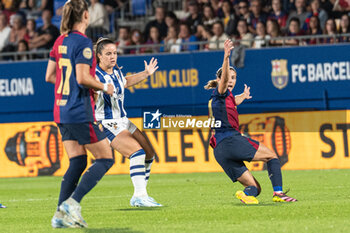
[[65, 76]]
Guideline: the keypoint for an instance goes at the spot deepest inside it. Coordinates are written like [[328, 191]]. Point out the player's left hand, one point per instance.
[[151, 67], [246, 92]]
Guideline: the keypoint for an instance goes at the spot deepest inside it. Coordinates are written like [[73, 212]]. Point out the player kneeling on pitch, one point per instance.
[[230, 147]]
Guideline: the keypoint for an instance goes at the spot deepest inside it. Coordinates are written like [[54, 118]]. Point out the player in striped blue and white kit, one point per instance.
[[123, 135]]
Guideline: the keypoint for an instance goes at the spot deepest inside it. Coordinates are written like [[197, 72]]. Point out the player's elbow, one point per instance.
[[50, 79], [80, 79]]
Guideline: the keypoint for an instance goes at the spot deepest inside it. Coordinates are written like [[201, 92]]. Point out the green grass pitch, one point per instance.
[[200, 202]]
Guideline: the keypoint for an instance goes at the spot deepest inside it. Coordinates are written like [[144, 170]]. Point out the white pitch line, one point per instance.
[[49, 199]]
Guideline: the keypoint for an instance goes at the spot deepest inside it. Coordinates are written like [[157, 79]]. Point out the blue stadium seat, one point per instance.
[[58, 4], [138, 7]]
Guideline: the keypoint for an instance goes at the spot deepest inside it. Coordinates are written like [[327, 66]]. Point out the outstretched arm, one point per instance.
[[245, 95], [138, 77], [84, 78], [223, 83]]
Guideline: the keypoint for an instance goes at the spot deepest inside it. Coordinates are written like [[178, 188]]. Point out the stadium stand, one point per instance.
[[146, 26]]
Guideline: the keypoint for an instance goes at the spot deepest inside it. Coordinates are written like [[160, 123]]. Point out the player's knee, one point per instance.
[[107, 163], [78, 163], [271, 155]]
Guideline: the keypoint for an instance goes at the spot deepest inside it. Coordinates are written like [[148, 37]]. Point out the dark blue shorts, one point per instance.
[[84, 133], [232, 151]]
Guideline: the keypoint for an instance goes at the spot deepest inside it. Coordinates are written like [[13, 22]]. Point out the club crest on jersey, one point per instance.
[[87, 53], [279, 74]]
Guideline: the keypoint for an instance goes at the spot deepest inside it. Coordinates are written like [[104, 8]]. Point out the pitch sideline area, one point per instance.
[[197, 202]]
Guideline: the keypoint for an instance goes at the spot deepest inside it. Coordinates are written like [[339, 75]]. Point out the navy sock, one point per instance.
[[251, 191], [91, 177], [275, 175], [70, 180]]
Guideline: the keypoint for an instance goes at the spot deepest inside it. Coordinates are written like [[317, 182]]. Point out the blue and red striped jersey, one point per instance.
[[74, 103], [223, 107]]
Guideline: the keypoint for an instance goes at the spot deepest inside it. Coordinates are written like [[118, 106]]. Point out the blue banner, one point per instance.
[[281, 79]]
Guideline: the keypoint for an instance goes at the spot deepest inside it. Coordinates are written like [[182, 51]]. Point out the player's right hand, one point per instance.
[[228, 46], [110, 89]]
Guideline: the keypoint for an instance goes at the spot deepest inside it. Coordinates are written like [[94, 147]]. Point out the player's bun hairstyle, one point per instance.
[[72, 13], [213, 83], [99, 46]]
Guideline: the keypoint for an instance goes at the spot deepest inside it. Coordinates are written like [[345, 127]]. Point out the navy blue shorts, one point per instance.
[[84, 133], [232, 151]]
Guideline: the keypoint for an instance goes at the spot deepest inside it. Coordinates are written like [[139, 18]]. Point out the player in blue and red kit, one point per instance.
[[72, 69], [230, 147]]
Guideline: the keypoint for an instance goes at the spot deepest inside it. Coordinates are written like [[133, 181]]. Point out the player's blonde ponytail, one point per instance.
[[73, 11], [211, 84]]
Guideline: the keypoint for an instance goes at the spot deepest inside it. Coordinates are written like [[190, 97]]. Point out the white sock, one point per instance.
[[137, 173], [148, 165]]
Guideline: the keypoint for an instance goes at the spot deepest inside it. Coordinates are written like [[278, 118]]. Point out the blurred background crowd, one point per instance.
[[145, 26]]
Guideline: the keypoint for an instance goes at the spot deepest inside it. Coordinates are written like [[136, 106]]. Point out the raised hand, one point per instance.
[[151, 67], [228, 46], [246, 92], [110, 89]]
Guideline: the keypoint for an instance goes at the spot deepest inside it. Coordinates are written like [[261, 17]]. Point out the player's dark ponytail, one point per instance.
[[99, 46], [213, 83], [73, 11]]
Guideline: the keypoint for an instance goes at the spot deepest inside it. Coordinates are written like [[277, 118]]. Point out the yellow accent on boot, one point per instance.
[[277, 199], [249, 200]]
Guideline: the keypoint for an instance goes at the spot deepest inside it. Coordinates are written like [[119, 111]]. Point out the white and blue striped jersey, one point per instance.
[[110, 107]]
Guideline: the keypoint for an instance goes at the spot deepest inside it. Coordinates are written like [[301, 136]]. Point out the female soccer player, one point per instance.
[[230, 147], [123, 135], [72, 69]]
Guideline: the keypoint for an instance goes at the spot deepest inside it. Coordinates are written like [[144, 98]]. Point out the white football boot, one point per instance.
[[144, 201], [60, 220], [72, 209]]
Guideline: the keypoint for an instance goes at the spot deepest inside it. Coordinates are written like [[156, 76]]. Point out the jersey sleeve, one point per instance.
[[217, 94], [99, 77], [84, 52], [53, 53]]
